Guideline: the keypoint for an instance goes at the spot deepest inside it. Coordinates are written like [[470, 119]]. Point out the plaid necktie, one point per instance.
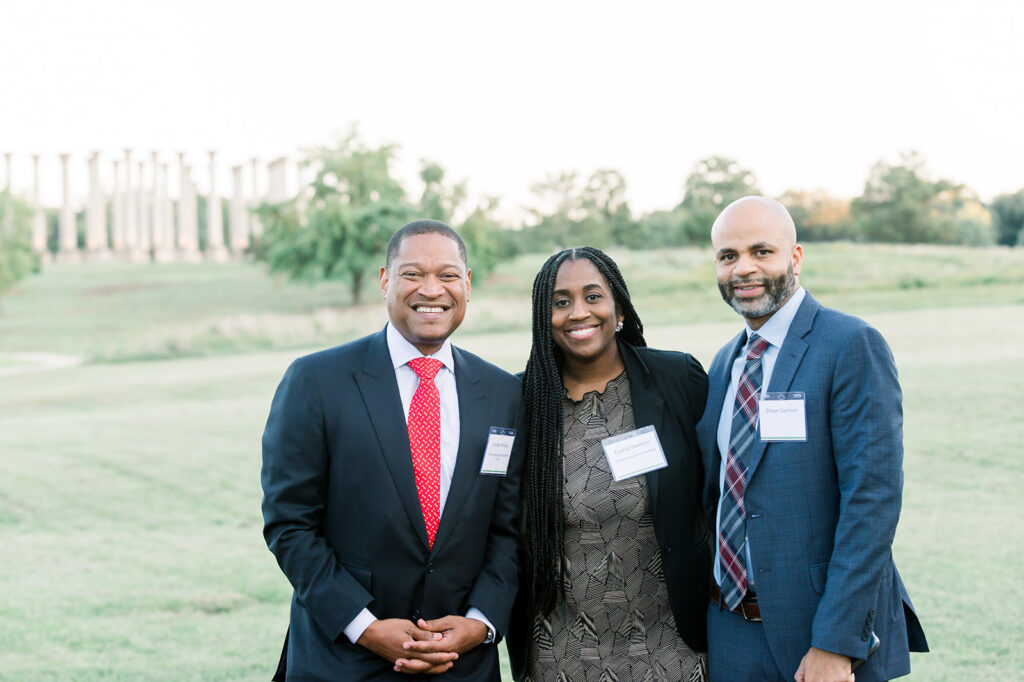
[[425, 441], [732, 536]]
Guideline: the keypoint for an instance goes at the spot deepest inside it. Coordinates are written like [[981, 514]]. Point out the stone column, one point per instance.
[[168, 207], [96, 243], [255, 224], [38, 218], [117, 211], [68, 236], [131, 211], [238, 214], [215, 250], [143, 243], [277, 191], [163, 231], [188, 218], [156, 211]]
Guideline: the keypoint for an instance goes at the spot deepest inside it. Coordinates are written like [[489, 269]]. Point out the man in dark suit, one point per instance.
[[802, 446], [391, 500]]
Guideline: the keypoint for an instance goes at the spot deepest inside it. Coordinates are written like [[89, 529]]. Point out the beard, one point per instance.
[[777, 291]]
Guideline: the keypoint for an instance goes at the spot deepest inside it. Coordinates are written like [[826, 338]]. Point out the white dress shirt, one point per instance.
[[773, 331], [401, 353]]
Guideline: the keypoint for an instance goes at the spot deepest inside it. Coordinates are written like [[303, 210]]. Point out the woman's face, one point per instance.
[[583, 312]]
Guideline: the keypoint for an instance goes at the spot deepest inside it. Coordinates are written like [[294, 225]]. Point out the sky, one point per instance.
[[808, 95]]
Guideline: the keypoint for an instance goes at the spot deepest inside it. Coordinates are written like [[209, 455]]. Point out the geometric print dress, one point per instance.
[[616, 622]]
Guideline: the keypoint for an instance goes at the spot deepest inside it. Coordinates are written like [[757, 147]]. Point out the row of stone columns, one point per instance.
[[143, 224]]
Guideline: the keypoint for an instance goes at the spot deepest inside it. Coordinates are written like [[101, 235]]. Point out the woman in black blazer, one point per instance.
[[614, 574]]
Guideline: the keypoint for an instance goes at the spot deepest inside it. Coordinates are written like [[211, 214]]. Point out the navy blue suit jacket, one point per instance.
[[821, 514], [343, 518]]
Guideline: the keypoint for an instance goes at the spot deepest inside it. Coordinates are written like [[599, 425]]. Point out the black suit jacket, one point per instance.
[[668, 391], [343, 518]]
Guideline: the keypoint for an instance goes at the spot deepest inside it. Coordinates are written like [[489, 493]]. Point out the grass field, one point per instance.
[[129, 486]]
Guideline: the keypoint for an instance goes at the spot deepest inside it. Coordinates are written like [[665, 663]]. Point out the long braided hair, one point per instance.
[[542, 522]]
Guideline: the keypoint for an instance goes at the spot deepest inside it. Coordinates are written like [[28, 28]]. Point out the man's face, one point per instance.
[[756, 261], [427, 290]]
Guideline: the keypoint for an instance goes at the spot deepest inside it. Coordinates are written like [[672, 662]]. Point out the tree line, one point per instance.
[[339, 225]]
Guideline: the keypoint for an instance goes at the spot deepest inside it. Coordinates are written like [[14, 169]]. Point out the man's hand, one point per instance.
[[387, 638], [451, 633], [819, 665]]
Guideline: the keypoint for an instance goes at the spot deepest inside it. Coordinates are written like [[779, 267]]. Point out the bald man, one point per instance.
[[802, 446]]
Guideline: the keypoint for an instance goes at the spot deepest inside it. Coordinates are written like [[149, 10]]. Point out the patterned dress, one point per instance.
[[616, 622]]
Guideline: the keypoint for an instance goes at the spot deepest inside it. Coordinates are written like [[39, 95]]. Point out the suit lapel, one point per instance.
[[472, 415], [383, 404], [718, 385], [786, 364], [648, 408]]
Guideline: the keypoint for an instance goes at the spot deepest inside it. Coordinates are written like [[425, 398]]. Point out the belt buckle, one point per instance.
[[748, 618]]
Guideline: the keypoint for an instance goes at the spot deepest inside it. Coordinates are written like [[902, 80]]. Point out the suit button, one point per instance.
[[430, 567], [667, 549], [416, 615]]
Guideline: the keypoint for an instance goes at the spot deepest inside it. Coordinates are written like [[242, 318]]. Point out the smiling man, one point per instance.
[[391, 487], [802, 447]]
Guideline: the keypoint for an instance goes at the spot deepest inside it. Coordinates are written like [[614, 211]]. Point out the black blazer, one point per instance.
[[668, 391], [343, 518]]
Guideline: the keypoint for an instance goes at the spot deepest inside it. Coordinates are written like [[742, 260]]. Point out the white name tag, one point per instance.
[[498, 451], [634, 453], [782, 417]]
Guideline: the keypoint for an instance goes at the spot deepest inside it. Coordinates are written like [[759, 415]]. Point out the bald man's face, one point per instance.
[[756, 260]]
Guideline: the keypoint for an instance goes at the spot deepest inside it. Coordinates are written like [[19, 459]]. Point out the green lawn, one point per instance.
[[129, 488]]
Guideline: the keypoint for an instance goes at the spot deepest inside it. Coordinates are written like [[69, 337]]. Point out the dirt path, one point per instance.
[[35, 362]]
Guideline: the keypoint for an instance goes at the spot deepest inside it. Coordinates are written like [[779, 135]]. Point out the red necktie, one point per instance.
[[425, 441]]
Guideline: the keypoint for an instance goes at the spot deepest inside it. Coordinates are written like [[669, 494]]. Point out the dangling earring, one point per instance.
[[618, 327]]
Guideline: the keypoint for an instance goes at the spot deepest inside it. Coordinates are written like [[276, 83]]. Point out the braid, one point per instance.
[[543, 527]]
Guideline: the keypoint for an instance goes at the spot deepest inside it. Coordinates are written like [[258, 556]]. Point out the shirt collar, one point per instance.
[[775, 329], [402, 351]]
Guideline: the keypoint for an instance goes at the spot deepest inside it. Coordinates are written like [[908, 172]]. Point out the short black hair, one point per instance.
[[423, 227]]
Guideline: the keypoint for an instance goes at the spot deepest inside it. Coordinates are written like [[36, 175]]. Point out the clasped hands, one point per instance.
[[427, 647]]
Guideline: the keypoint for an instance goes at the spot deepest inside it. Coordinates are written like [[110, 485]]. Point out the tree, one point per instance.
[[482, 232], [570, 211], [714, 183], [958, 206], [1008, 217], [16, 256], [898, 205], [487, 241], [338, 227], [438, 201], [604, 200], [818, 215]]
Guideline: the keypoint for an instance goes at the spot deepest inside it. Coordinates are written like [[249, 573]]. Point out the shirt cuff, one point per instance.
[[476, 614], [357, 627]]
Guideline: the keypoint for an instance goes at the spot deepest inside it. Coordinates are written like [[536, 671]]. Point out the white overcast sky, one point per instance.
[[806, 94]]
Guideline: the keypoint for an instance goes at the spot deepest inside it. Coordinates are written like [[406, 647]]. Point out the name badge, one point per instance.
[[634, 453], [498, 451], [782, 417]]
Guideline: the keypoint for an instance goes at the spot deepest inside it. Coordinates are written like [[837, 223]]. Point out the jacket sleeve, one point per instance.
[[867, 443], [294, 479]]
